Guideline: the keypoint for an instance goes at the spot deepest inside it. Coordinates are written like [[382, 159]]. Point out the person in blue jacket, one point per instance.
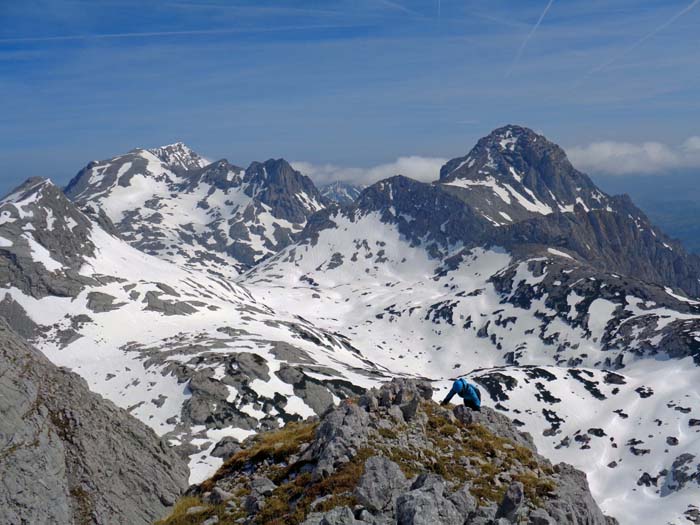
[[467, 391]]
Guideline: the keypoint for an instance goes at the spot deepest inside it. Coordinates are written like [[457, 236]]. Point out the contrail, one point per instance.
[[251, 9], [529, 36], [639, 42], [98, 36], [400, 7]]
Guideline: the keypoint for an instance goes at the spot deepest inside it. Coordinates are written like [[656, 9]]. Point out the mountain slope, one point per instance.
[[413, 259], [170, 203], [194, 356], [68, 456], [634, 432]]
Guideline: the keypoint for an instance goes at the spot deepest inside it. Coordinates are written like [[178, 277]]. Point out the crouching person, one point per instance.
[[467, 391]]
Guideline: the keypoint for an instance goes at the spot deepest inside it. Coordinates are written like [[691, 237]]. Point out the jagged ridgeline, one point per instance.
[[392, 456], [212, 302], [172, 203]]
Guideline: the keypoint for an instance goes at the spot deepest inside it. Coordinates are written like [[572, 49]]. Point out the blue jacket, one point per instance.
[[465, 390]]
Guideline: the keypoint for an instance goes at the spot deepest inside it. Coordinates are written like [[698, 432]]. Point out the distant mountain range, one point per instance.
[[211, 302], [344, 193]]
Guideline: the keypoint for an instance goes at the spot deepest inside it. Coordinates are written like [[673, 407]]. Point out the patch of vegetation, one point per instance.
[[408, 460], [291, 502], [387, 433], [536, 488], [84, 507], [490, 454], [276, 445], [179, 515]]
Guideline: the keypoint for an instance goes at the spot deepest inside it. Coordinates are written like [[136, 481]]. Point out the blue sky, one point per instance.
[[349, 84]]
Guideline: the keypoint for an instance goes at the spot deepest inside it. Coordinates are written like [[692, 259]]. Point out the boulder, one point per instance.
[[380, 484], [512, 501]]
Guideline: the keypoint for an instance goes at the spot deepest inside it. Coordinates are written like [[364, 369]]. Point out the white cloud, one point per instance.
[[426, 169], [692, 145], [629, 158]]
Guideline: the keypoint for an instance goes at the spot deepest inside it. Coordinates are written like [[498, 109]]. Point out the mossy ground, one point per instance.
[[493, 454], [276, 445], [292, 501], [179, 515]]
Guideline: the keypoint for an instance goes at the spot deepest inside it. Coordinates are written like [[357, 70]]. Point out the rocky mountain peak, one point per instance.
[[39, 206], [179, 157], [514, 174], [30, 185], [291, 194], [507, 143], [172, 203], [273, 171]]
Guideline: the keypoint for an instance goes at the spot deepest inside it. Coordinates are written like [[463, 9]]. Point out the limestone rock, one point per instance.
[[69, 456]]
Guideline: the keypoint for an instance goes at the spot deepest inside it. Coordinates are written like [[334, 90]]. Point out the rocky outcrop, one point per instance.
[[393, 456], [68, 456]]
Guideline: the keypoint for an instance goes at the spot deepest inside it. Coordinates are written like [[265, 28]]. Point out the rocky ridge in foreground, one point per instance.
[[392, 456], [69, 456]]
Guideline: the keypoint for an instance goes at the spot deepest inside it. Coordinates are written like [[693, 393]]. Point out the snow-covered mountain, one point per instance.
[[525, 186], [344, 193], [172, 203], [212, 301], [514, 174]]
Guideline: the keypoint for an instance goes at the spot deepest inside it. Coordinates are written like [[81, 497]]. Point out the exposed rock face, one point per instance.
[[289, 193], [44, 241], [620, 240], [424, 213], [68, 456], [386, 463]]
